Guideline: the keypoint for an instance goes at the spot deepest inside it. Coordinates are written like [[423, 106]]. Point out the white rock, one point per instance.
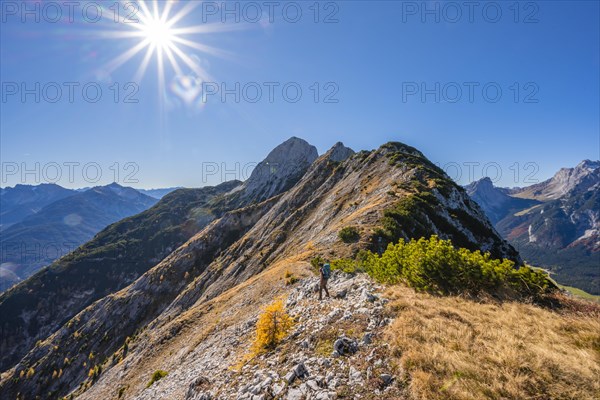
[[355, 375], [294, 394], [290, 376], [312, 384], [277, 389]]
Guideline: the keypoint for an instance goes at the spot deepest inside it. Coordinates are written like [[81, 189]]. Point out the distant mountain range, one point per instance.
[[158, 193], [21, 201], [497, 202], [55, 221], [554, 224]]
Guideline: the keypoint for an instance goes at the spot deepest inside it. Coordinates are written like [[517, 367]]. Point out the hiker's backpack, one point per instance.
[[326, 271]]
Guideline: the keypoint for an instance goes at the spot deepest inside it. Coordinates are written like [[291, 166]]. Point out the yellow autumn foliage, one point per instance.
[[272, 327]]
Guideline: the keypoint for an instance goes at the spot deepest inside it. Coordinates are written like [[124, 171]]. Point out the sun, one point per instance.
[[158, 33]]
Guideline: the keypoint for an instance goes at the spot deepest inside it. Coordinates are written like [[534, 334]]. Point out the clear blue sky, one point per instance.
[[375, 56]]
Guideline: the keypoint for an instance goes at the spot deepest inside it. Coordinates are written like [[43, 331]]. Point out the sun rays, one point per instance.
[[153, 30]]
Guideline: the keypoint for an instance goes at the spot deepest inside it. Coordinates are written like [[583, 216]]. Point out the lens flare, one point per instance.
[[158, 33]]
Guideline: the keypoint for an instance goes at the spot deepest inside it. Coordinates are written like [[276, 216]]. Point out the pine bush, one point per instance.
[[435, 265]]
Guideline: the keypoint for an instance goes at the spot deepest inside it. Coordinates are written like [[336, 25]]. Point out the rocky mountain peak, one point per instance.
[[566, 182], [295, 149], [281, 169], [577, 179], [495, 201], [483, 184], [485, 191], [339, 152], [588, 165]]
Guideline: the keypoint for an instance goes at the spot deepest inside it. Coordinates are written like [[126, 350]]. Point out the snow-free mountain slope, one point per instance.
[[367, 190], [122, 252]]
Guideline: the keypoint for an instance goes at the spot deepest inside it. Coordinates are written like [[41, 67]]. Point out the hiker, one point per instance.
[[325, 272]]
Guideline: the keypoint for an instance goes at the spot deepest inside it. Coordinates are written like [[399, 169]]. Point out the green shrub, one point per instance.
[[529, 282], [347, 265], [349, 234], [435, 265], [157, 376]]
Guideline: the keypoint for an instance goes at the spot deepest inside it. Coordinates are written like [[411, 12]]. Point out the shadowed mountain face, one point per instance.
[[387, 194], [554, 224], [19, 202], [496, 202], [62, 226], [119, 254]]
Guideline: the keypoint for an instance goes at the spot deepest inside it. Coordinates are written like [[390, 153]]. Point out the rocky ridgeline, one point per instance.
[[97, 269], [179, 315], [334, 351]]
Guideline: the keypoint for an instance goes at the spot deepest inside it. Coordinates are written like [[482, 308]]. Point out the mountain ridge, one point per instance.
[[584, 176], [367, 190], [122, 252]]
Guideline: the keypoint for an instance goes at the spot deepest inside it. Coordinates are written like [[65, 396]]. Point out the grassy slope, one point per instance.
[[580, 293], [442, 347], [454, 348]]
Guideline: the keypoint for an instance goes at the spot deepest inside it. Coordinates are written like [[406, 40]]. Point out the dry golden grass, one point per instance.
[[454, 348]]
